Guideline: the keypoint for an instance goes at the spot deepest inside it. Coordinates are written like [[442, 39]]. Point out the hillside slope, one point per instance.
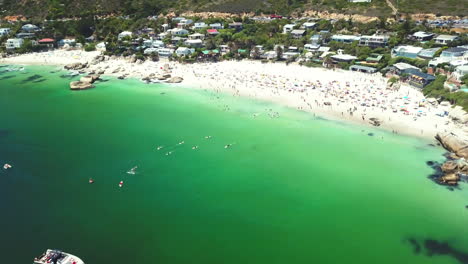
[[67, 8]]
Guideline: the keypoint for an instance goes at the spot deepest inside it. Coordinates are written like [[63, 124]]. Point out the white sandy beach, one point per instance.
[[342, 95]]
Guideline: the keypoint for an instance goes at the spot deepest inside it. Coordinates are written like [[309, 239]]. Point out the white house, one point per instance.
[[196, 36], [216, 26], [345, 38], [14, 43], [30, 28], [184, 51], [308, 25], [374, 41], [444, 39], [178, 31], [4, 31], [165, 52], [298, 33], [124, 34], [454, 56], [199, 25], [460, 71], [423, 36], [151, 51], [224, 49], [288, 28], [150, 43], [340, 57], [101, 46], [406, 51], [66, 43], [194, 43]]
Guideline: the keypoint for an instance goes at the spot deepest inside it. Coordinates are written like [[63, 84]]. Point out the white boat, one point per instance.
[[52, 256], [132, 170]]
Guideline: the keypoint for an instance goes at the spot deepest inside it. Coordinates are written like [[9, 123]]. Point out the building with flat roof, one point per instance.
[[445, 39]]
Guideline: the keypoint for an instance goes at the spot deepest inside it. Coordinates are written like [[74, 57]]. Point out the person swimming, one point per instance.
[[227, 146], [207, 137], [159, 148], [182, 142], [195, 147]]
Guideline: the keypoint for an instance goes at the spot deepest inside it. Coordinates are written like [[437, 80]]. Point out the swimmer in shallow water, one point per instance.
[[195, 147]]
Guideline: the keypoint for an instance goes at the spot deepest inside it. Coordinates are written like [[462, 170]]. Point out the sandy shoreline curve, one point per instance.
[[336, 94]]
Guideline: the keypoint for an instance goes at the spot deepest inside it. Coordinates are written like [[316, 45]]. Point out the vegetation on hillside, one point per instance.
[[437, 90], [53, 9]]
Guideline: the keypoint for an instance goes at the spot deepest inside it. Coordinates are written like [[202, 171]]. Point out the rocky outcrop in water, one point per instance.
[[85, 82], [454, 143], [75, 66], [454, 169], [79, 85]]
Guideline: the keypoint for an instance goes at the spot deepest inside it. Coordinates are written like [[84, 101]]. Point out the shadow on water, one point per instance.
[[7, 77], [432, 247], [32, 78], [4, 133], [67, 76]]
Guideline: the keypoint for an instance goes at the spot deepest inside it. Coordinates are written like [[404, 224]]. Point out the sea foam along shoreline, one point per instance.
[[341, 95]]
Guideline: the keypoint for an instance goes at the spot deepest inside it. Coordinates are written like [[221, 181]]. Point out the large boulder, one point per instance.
[[86, 79], [76, 66], [450, 179], [175, 80], [450, 167], [454, 143], [457, 114], [78, 85]]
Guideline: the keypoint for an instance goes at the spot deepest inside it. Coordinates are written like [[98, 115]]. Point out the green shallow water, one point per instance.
[[293, 189]]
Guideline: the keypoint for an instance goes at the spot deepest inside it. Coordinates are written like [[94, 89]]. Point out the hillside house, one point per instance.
[[196, 36], [422, 36], [217, 26], [5, 32], [374, 41], [29, 28], [184, 51], [124, 34], [199, 25], [236, 25], [14, 43], [406, 51], [298, 33], [445, 39], [288, 28], [345, 38]]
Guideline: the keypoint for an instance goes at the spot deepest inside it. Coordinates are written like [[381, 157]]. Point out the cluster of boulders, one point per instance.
[[164, 77], [86, 82], [457, 166], [76, 66]]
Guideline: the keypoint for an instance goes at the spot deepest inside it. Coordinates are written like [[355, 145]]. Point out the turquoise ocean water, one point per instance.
[[292, 189]]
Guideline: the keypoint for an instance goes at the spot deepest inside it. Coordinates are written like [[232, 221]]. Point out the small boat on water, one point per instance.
[[132, 171], [160, 147], [91, 180], [53, 256], [7, 166]]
